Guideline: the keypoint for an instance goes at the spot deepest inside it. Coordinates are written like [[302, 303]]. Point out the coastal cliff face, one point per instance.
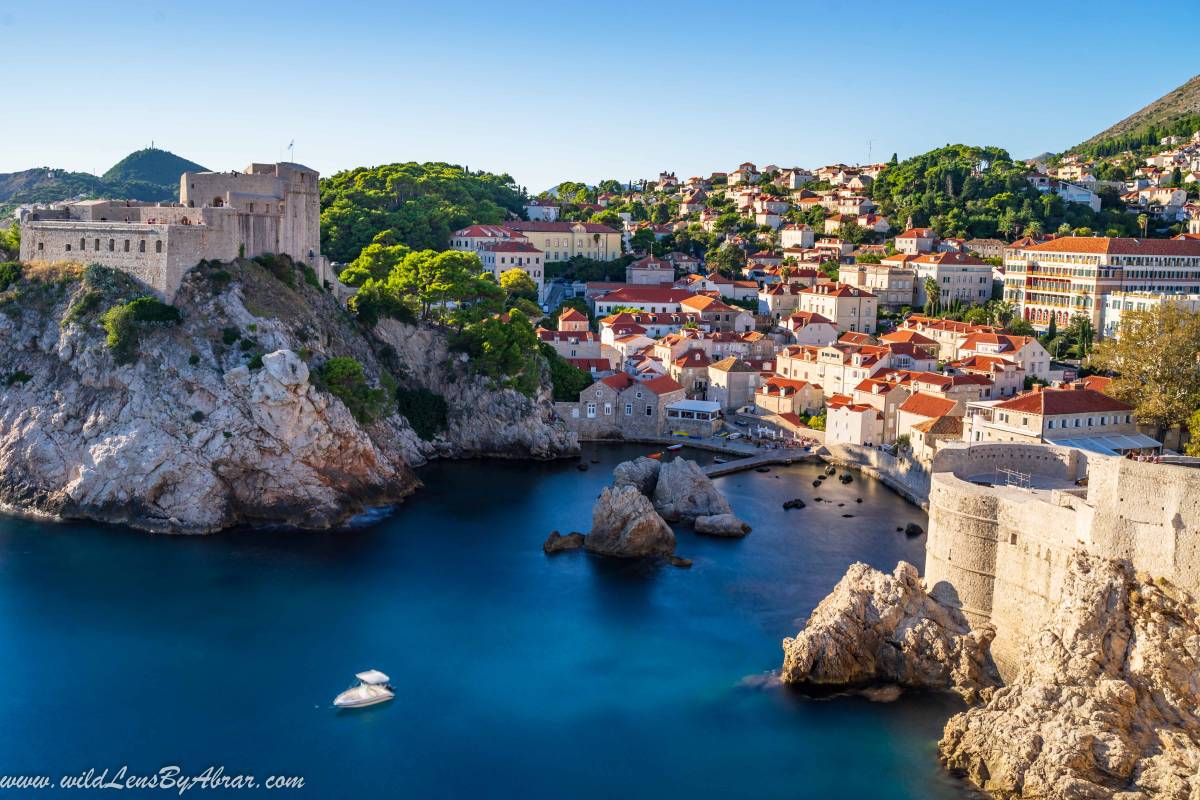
[[874, 627], [1105, 705], [483, 420], [219, 420]]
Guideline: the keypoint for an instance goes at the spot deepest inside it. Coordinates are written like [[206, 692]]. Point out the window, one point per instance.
[[629, 409], [112, 245], [41, 246], [97, 245], [608, 409], [142, 246], [649, 411], [126, 245], [158, 246], [68, 248], [82, 243], [591, 410]]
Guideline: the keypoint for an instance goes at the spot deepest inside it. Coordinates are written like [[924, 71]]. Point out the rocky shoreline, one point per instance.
[[1105, 705], [216, 419]]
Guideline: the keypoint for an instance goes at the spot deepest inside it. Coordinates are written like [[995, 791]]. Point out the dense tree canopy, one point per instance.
[[981, 192], [421, 204], [1155, 363]]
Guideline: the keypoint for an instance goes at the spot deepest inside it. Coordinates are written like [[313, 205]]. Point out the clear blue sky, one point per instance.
[[555, 91]]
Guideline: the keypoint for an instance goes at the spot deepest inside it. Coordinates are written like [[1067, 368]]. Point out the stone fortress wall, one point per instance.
[[999, 552], [268, 208]]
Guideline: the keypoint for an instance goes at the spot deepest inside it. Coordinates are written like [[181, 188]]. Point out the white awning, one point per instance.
[[1112, 445], [372, 676], [696, 405]]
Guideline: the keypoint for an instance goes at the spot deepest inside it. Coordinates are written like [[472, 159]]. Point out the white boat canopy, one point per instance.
[[372, 676]]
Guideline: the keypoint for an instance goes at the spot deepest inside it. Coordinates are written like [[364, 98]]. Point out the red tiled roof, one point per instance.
[[1070, 400], [572, 315], [645, 294], [618, 381], [662, 385], [1118, 246], [927, 405]]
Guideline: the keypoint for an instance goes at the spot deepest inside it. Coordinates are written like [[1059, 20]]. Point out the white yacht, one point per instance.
[[372, 688]]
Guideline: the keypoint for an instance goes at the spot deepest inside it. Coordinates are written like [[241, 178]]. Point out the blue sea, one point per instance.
[[518, 675]]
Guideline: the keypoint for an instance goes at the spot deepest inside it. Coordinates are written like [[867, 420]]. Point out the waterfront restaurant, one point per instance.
[[694, 417]]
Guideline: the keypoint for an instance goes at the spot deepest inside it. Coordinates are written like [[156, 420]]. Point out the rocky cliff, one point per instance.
[[221, 418], [1105, 705]]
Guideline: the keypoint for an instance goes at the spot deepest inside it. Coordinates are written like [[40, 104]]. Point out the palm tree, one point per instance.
[[1143, 221], [1033, 229], [1002, 312], [933, 293]]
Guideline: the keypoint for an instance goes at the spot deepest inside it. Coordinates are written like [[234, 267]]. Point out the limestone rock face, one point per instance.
[[876, 627], [684, 492], [1105, 705], [721, 525], [624, 523], [641, 473], [483, 420], [190, 437]]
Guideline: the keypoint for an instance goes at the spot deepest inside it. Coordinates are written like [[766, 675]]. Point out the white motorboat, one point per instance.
[[372, 688]]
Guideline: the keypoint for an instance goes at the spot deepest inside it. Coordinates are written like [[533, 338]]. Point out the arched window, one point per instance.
[[82, 243], [126, 245], [142, 246], [158, 246], [112, 245]]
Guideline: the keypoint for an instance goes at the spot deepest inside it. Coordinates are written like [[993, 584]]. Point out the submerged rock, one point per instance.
[[624, 523], [913, 529], [641, 473], [721, 525], [795, 502], [876, 627], [557, 543], [1105, 705], [679, 561]]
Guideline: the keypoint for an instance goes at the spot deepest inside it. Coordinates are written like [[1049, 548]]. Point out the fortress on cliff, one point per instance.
[[266, 208], [1004, 517]]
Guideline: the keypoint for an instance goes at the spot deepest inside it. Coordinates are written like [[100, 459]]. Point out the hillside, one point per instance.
[[151, 165], [422, 204], [150, 175], [981, 192], [1176, 113]]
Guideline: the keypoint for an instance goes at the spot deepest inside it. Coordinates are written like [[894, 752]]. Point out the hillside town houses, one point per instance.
[[846, 341]]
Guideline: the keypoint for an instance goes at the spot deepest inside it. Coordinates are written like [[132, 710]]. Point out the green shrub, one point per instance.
[[220, 279], [567, 379], [425, 411], [19, 376], [256, 362], [193, 359], [310, 276], [87, 302], [247, 344], [123, 324], [345, 380], [10, 271], [197, 416], [278, 265], [230, 335]]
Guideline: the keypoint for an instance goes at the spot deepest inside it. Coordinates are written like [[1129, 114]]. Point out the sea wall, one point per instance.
[[1000, 552], [905, 476]]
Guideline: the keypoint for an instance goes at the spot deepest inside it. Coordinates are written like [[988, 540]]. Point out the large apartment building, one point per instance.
[[1075, 274]]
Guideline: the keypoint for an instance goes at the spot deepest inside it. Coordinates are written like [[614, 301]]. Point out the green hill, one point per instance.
[[421, 204], [1176, 113], [151, 175], [151, 165]]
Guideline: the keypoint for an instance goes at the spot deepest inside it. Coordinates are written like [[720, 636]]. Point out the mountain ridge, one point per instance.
[[1179, 108]]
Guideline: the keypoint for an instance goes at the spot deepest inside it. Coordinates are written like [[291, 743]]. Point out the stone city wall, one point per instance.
[[903, 475], [1000, 552]]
